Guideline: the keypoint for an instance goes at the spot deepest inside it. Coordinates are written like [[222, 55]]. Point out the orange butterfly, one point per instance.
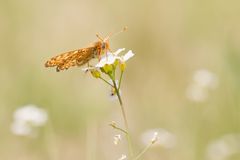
[[81, 56]]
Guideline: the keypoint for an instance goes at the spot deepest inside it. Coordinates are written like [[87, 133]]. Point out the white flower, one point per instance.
[[116, 139], [27, 118], [122, 157], [198, 89], [155, 137], [205, 78], [21, 128], [223, 148], [110, 58], [160, 137]]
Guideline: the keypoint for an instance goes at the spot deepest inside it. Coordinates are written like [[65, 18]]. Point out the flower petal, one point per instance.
[[118, 51], [128, 55], [108, 59]]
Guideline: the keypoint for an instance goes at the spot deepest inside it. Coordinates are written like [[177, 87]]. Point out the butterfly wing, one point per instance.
[[69, 59]]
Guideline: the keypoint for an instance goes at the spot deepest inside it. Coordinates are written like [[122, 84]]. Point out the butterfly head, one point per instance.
[[105, 42]]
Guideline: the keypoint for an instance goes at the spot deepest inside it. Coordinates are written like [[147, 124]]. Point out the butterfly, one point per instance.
[[81, 56]]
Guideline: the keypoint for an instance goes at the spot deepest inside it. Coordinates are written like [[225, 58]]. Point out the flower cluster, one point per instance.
[[203, 81], [159, 137], [108, 65], [224, 148], [27, 119], [116, 139]]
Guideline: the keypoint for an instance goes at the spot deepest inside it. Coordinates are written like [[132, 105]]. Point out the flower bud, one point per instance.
[[95, 73], [107, 69], [122, 66], [116, 62]]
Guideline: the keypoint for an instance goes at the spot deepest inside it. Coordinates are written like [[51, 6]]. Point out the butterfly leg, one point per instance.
[[88, 65], [106, 52], [99, 55], [106, 55]]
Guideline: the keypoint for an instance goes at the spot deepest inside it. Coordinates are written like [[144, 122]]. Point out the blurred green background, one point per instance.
[[171, 39]]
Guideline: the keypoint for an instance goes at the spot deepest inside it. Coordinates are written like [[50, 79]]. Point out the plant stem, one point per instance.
[[120, 80], [121, 104], [106, 81], [120, 101], [143, 151], [124, 118], [118, 128]]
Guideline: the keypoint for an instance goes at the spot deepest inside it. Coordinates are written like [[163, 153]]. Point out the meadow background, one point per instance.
[[172, 40]]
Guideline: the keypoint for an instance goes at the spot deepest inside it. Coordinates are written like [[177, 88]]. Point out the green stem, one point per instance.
[[124, 118], [106, 81], [120, 80], [120, 129], [120, 101]]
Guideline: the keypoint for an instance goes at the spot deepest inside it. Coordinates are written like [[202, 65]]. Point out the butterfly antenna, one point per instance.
[[112, 35], [99, 37]]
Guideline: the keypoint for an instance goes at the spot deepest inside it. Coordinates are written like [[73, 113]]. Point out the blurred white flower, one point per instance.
[[20, 128], [122, 157], [198, 89], [205, 78], [154, 138], [110, 58], [28, 117], [116, 139], [160, 137], [223, 148], [196, 93]]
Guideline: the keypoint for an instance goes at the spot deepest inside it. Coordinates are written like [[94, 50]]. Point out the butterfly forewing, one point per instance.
[[76, 57]]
